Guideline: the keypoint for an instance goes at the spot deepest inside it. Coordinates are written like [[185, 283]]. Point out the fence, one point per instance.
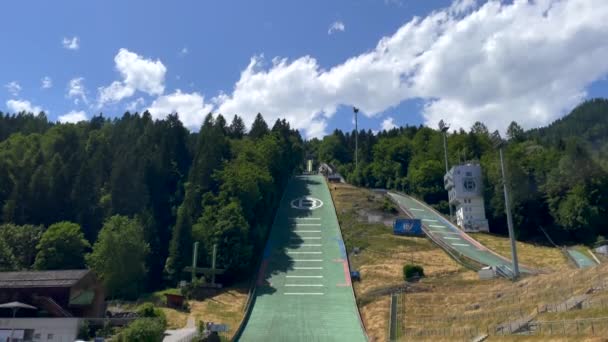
[[520, 317], [586, 327]]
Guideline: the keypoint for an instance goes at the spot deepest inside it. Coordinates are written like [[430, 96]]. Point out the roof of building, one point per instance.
[[59, 278]]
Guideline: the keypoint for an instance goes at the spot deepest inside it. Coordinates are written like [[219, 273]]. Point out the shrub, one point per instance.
[[143, 330], [148, 310], [410, 271]]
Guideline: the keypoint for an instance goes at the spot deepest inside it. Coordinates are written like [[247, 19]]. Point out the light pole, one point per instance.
[[499, 143], [444, 129], [356, 110]]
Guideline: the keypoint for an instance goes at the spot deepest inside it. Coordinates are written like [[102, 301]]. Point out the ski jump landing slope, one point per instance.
[[303, 290], [450, 235]]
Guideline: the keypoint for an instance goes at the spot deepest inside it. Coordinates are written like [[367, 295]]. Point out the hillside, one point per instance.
[[587, 122], [382, 256], [557, 173]]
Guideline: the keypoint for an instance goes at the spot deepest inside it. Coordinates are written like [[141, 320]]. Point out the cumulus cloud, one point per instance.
[[73, 117], [17, 106], [133, 106], [46, 82], [71, 43], [13, 87], [191, 108], [77, 91], [335, 27], [138, 74], [388, 124], [496, 62]]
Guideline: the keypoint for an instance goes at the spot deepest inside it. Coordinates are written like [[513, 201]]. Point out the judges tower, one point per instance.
[[465, 189]]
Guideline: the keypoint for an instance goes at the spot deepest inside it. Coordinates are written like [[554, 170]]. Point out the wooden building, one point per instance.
[[61, 293]]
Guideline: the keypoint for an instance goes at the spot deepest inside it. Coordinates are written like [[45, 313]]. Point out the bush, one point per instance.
[[148, 310], [412, 271], [143, 330], [389, 207]]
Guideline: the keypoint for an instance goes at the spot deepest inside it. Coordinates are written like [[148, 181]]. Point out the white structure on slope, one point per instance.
[[465, 189]]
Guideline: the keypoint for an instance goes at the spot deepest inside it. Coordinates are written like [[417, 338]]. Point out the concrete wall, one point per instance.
[[45, 329]]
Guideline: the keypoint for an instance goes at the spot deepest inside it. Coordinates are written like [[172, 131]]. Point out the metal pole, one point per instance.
[[509, 218], [447, 169], [194, 260], [356, 142], [213, 264]]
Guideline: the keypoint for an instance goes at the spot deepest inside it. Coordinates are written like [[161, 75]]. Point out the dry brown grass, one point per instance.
[[375, 316], [535, 256], [383, 256], [449, 306], [450, 289], [225, 307]]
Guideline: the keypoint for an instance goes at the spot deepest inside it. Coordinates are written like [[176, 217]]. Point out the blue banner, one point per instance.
[[407, 227]]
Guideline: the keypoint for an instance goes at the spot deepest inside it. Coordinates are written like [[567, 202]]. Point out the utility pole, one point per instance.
[[499, 143], [356, 110], [444, 129]]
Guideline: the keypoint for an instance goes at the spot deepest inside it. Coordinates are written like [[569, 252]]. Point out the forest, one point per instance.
[[557, 174], [136, 192]]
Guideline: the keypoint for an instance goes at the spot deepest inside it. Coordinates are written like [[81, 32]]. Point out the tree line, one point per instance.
[[557, 174], [137, 192]]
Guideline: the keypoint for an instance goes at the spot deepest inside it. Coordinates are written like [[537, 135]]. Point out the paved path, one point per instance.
[[181, 335], [450, 234], [304, 291]]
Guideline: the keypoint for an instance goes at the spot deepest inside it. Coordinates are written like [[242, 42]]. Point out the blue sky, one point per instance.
[[459, 60]]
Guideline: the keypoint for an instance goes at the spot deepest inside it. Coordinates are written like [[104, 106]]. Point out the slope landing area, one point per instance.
[[450, 296], [303, 290]]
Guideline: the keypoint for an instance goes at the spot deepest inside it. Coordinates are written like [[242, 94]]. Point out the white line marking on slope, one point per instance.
[[451, 238], [304, 285], [441, 232], [417, 209], [308, 224], [306, 237], [301, 276], [290, 252], [305, 218], [306, 231], [311, 260], [429, 220], [436, 226], [311, 245], [460, 244], [304, 293], [308, 268]]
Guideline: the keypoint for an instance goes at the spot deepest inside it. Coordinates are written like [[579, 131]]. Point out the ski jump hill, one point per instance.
[[450, 238], [303, 290]]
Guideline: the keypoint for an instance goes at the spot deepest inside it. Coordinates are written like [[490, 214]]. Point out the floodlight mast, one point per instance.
[[499, 143], [443, 127], [356, 110]]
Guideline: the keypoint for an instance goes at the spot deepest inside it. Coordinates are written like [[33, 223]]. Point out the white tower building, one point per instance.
[[465, 189]]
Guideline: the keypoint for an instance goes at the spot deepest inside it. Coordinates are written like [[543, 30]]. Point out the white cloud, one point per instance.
[[523, 61], [191, 108], [138, 74], [135, 105], [17, 106], [13, 87], [77, 91], [71, 43], [184, 51], [335, 27], [73, 117], [388, 124], [46, 82]]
